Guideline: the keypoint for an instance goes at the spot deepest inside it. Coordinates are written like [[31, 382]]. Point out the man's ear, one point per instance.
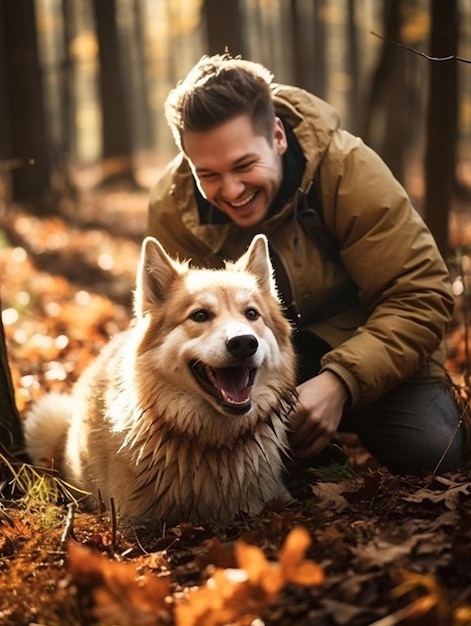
[[280, 140]]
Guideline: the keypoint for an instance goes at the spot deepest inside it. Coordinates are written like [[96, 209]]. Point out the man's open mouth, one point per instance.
[[230, 386], [244, 202]]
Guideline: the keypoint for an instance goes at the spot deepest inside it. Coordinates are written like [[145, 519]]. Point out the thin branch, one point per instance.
[[69, 525], [464, 414], [114, 525], [467, 371], [451, 57]]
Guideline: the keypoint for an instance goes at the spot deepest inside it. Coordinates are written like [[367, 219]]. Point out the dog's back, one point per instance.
[[183, 416]]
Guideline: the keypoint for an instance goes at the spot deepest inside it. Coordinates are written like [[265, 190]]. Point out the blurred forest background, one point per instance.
[[82, 84], [83, 138]]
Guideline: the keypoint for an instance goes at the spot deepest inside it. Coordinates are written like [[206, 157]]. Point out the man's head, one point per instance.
[[217, 89], [223, 118]]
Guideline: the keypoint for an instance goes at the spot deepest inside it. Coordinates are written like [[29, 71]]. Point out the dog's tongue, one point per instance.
[[233, 383]]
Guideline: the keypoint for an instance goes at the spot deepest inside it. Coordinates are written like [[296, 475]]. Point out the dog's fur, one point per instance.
[[183, 417]]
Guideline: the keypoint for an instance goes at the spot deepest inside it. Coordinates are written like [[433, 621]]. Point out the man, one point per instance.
[[360, 275]]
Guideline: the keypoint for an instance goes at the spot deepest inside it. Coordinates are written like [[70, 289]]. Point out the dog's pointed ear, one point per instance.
[[155, 274], [257, 261]]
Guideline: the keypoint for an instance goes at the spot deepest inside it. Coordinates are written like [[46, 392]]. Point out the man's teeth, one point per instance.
[[238, 205]]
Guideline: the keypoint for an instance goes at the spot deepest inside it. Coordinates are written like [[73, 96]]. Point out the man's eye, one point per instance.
[[252, 314], [244, 167], [200, 315]]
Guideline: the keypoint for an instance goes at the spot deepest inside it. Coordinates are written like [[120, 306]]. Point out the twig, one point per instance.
[[467, 373], [450, 57], [458, 426], [113, 524], [418, 608], [69, 524]]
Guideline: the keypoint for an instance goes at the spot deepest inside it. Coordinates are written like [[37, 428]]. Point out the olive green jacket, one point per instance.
[[390, 327]]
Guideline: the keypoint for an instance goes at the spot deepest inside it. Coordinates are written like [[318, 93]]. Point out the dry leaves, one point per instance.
[[122, 595], [241, 594], [65, 287]]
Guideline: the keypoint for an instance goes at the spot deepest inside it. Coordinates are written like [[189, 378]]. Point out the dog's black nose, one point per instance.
[[242, 346]]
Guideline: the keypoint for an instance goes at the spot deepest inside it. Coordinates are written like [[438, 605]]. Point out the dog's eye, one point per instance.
[[252, 314], [200, 315]]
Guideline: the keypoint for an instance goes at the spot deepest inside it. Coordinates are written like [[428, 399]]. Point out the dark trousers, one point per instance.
[[412, 428]]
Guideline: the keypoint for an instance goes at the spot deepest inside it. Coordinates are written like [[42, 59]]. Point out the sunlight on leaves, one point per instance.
[[121, 595], [462, 616], [235, 594], [432, 598], [39, 486]]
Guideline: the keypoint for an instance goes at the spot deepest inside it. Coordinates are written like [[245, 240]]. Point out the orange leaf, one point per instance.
[[259, 570], [294, 548], [295, 569], [119, 592]]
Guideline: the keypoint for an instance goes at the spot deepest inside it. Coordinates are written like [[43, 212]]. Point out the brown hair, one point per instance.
[[217, 89]]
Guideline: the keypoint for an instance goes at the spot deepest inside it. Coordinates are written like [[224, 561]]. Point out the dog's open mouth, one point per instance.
[[230, 386]]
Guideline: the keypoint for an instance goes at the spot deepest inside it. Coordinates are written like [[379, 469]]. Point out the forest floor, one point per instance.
[[358, 546]]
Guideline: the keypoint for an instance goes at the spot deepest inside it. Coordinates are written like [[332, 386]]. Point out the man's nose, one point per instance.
[[232, 187]]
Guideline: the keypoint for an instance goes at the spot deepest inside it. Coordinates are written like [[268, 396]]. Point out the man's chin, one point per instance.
[[247, 218]]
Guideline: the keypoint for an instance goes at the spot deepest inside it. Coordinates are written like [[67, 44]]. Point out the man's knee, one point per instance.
[[421, 453], [414, 428]]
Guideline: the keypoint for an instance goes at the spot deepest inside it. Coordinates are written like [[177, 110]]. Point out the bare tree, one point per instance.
[[440, 154], [11, 434], [27, 139], [116, 127], [384, 120], [224, 27], [353, 66]]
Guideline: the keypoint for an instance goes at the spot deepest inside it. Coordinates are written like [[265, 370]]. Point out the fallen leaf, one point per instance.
[[379, 552], [241, 594], [329, 496], [449, 497], [120, 594]]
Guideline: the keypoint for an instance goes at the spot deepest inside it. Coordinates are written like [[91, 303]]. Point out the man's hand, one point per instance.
[[317, 414]]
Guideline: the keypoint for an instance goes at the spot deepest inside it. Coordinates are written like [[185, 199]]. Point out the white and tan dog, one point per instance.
[[183, 417]]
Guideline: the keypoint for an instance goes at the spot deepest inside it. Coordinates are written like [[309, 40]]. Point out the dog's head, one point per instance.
[[218, 336]]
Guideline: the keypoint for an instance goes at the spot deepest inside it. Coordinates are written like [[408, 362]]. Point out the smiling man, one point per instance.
[[358, 271], [237, 170]]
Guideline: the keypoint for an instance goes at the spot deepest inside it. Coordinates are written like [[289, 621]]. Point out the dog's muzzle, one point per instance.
[[231, 387]]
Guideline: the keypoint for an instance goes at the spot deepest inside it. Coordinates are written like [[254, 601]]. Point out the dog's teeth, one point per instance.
[[210, 375], [230, 400]]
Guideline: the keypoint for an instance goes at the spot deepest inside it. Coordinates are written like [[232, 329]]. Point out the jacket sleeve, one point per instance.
[[392, 257]]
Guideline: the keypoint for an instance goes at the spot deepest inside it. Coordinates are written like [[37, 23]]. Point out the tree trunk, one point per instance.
[[116, 127], [353, 66], [319, 62], [302, 45], [224, 27], [440, 154], [27, 141], [395, 131], [381, 76], [11, 434]]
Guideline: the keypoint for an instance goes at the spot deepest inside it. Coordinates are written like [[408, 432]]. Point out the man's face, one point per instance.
[[236, 169]]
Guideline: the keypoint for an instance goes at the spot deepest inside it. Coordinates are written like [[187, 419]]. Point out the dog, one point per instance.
[[183, 417]]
